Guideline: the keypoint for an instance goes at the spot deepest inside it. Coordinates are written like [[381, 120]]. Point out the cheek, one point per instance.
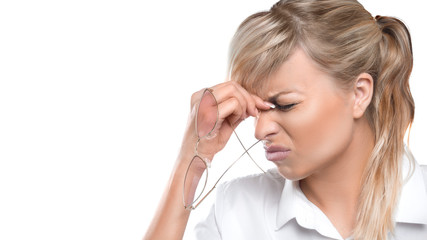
[[320, 131]]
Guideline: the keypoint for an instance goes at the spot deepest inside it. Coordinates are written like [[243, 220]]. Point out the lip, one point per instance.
[[276, 153]]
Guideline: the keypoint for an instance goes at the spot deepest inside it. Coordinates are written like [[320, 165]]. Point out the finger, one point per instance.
[[261, 104], [230, 90], [231, 110], [253, 102], [250, 101]]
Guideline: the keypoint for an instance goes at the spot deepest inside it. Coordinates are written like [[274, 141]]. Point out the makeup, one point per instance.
[[276, 153]]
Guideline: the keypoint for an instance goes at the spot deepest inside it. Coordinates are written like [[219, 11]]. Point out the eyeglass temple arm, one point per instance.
[[222, 175], [246, 150]]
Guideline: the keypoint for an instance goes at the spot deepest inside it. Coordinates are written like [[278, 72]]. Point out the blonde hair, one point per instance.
[[345, 40]]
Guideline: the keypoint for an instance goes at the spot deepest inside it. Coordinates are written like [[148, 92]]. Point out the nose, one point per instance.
[[265, 126]]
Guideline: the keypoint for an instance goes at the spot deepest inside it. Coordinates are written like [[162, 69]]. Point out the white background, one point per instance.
[[94, 97]]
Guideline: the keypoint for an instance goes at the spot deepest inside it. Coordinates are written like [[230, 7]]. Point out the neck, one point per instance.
[[335, 189]]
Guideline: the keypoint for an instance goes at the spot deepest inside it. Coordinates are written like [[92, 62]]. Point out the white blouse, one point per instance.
[[267, 206]]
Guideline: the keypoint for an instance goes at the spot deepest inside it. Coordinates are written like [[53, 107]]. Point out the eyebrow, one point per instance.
[[273, 98]]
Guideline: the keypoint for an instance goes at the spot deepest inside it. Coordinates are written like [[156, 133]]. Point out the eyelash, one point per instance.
[[285, 108]]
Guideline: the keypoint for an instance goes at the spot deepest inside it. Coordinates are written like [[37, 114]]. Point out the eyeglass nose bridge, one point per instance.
[[196, 152]]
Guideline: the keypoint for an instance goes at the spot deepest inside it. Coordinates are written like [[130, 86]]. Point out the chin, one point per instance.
[[291, 174]]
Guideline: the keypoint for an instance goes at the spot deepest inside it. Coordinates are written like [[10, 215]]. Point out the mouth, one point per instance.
[[276, 153]]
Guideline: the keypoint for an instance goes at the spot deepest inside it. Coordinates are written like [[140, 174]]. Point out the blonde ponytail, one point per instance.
[[391, 112]]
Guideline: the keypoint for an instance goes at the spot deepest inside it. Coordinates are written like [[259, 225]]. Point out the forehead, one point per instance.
[[298, 74]]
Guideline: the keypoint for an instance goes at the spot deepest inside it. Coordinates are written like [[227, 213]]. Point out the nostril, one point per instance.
[[266, 143]]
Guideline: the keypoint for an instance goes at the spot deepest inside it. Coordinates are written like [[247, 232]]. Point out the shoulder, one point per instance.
[[248, 202], [251, 190], [271, 180], [414, 169]]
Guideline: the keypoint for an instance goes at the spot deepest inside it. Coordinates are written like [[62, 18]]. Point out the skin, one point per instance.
[[328, 136], [326, 131]]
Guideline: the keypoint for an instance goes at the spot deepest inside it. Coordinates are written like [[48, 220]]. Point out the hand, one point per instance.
[[234, 105]]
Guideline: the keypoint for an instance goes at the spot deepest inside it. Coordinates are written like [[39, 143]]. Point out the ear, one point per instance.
[[363, 91]]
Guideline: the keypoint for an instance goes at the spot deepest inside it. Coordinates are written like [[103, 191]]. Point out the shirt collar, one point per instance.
[[293, 204], [412, 207], [286, 208]]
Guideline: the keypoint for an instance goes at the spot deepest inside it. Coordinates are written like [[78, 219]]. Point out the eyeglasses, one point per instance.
[[206, 120]]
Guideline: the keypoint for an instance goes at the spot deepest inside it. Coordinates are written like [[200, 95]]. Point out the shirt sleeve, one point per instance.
[[209, 229]]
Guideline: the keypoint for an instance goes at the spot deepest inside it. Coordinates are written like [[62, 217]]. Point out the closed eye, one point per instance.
[[285, 107]]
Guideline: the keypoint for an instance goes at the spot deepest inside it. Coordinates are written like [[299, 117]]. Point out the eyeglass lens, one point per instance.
[[206, 119], [207, 114]]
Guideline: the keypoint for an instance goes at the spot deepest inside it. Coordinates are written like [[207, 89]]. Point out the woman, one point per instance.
[[328, 85]]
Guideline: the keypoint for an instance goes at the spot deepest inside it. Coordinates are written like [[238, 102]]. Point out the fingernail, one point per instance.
[[270, 105]]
